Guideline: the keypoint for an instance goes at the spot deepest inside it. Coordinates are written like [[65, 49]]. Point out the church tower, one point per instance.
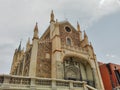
[[61, 53]]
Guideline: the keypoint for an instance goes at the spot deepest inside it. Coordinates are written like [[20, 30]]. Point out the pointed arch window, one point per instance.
[[68, 41]]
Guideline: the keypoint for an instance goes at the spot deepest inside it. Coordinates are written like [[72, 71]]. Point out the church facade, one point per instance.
[[61, 53]]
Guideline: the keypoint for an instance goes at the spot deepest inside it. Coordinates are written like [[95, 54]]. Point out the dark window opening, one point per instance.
[[68, 41], [117, 75], [67, 29]]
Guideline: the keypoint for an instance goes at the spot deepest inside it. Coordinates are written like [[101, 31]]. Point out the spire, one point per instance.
[[85, 35], [52, 17], [57, 24], [19, 48], [79, 31], [36, 31], [28, 44], [36, 27], [85, 38], [78, 27]]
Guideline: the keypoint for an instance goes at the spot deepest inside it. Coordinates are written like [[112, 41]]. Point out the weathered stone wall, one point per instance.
[[60, 69], [44, 60], [26, 63], [73, 34]]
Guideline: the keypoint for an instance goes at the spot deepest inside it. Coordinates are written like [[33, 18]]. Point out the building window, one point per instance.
[[67, 29], [68, 41], [117, 75]]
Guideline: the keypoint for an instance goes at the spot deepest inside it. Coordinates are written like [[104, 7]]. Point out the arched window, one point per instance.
[[68, 42]]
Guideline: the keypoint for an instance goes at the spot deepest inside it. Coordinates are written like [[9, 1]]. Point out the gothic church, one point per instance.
[[61, 54]]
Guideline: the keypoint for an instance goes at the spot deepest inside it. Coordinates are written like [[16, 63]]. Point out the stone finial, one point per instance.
[[78, 26], [36, 27], [86, 38], [57, 22], [85, 35], [28, 44], [19, 48], [36, 31], [52, 17]]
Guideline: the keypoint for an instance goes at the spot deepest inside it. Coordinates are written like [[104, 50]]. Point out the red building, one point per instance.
[[110, 75]]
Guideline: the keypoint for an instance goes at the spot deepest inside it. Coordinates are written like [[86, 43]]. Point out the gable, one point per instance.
[[46, 34]]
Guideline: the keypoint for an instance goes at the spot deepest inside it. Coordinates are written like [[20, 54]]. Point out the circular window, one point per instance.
[[67, 29]]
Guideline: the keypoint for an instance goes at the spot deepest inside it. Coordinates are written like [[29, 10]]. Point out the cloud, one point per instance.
[[103, 8], [88, 11], [109, 6], [112, 56]]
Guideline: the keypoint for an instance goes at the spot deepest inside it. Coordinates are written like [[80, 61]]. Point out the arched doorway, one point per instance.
[[77, 69]]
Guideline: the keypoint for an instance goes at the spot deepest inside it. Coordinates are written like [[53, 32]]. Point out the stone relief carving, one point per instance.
[[71, 71]]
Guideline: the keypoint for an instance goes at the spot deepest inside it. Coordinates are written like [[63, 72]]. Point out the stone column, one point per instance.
[[33, 59], [71, 85], [6, 82], [54, 84], [94, 76], [99, 79], [32, 84]]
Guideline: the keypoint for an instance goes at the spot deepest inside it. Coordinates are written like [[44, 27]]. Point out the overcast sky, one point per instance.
[[100, 19]]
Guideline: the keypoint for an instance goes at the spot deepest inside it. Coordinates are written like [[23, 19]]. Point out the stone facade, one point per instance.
[[60, 53]]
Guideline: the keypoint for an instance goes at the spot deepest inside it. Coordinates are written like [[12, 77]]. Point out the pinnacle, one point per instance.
[[78, 26], [85, 35], [36, 27], [52, 17], [19, 48]]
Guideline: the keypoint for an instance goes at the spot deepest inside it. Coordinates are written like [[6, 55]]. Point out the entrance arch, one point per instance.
[[77, 69]]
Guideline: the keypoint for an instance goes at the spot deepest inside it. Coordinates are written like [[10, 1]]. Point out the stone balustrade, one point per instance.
[[23, 83]]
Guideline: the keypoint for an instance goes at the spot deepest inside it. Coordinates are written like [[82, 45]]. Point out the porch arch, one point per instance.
[[77, 68]]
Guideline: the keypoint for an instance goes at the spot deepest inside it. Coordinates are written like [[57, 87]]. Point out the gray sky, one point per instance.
[[100, 19]]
